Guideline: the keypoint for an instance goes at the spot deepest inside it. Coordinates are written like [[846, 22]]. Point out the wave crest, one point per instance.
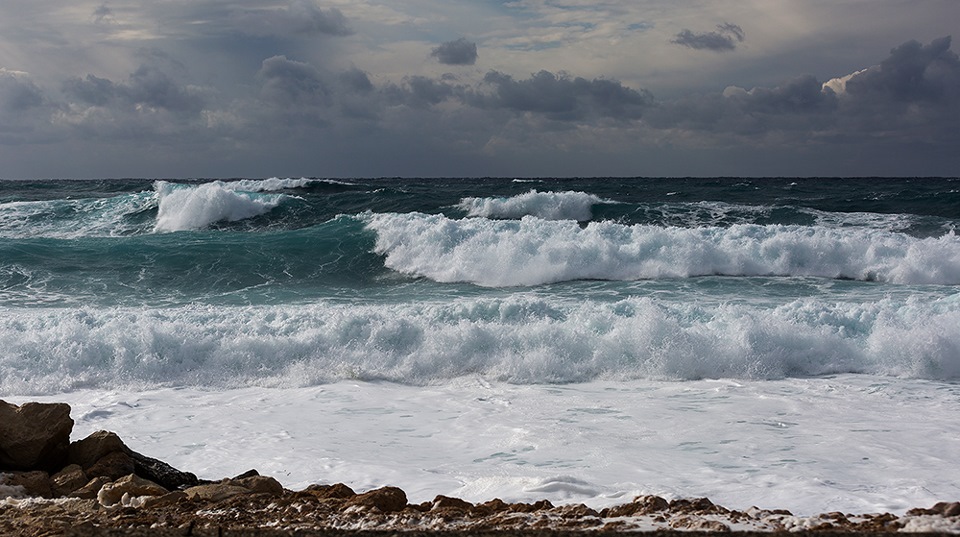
[[186, 207], [547, 205], [534, 251]]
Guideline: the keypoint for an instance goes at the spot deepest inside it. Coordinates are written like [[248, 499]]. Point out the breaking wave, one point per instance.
[[519, 339], [547, 205], [533, 251], [184, 207]]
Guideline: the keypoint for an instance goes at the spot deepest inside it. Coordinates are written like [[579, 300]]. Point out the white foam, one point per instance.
[[185, 207], [275, 183], [534, 251], [851, 443], [517, 339], [547, 205], [67, 219]]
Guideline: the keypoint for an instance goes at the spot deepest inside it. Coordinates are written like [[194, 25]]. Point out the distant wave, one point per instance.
[[185, 207], [517, 339], [547, 205], [532, 251]]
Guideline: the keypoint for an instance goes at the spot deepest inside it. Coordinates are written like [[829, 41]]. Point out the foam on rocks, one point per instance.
[[49, 486]]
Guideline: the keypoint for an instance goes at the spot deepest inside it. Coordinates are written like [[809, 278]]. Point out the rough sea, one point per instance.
[[784, 343]]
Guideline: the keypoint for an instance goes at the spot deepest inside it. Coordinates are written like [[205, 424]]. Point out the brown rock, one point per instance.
[[541, 505], [162, 501], [35, 484], [641, 505], [445, 502], [113, 465], [259, 484], [575, 511], [214, 492], [495, 505], [34, 436], [68, 480], [130, 485], [91, 489], [338, 491], [386, 499], [91, 449]]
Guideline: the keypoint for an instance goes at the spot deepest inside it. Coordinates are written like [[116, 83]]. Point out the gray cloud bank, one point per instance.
[[340, 120]]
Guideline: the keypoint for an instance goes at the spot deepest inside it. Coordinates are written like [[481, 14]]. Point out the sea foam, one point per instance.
[[185, 207], [534, 251], [547, 205], [518, 339]]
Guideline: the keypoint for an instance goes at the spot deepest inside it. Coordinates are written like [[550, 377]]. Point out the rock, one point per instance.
[[35, 484], [130, 486], [575, 511], [91, 489], [214, 492], [34, 436], [113, 465], [386, 499], [336, 491], [940, 508], [161, 472], [641, 505], [171, 498], [91, 449], [68, 480], [445, 502], [259, 484]]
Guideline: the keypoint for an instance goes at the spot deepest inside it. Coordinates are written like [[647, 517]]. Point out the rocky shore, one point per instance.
[[99, 486]]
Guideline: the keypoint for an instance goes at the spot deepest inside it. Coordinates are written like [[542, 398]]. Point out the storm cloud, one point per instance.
[[459, 52], [724, 38]]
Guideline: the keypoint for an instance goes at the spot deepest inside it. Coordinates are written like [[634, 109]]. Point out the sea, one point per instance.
[[772, 342]]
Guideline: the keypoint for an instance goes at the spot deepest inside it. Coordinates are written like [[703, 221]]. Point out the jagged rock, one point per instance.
[[336, 491], [215, 492], [130, 485], [68, 480], [386, 499], [258, 484], [445, 502], [34, 436], [167, 499], [113, 465], [35, 484], [161, 472], [575, 511], [940, 508], [91, 449], [541, 505], [91, 489], [641, 505], [495, 505], [248, 473], [695, 523]]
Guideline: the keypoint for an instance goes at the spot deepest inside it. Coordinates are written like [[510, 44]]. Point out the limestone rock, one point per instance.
[[113, 465], [68, 480], [35, 484], [130, 486], [386, 499], [171, 498], [34, 436], [445, 502], [215, 492], [642, 505], [336, 491], [91, 489]]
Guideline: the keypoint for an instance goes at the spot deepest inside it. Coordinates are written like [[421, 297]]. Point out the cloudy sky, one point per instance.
[[361, 88]]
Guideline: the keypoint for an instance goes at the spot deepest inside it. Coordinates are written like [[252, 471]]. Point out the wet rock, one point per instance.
[[35, 484], [386, 499], [113, 466], [641, 505], [170, 498], [495, 505], [91, 489], [694, 523], [445, 502], [68, 480], [131, 486], [940, 508], [34, 436], [161, 473], [575, 511], [541, 505]]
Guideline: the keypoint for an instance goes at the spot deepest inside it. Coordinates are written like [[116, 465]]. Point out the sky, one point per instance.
[[455, 88]]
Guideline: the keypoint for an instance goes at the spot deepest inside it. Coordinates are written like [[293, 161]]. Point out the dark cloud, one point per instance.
[[148, 86], [17, 93], [356, 80], [102, 14], [289, 82], [299, 17], [912, 73], [726, 37], [459, 52], [419, 92], [563, 98]]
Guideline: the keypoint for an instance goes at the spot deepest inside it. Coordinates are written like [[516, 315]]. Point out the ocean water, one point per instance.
[[785, 343]]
